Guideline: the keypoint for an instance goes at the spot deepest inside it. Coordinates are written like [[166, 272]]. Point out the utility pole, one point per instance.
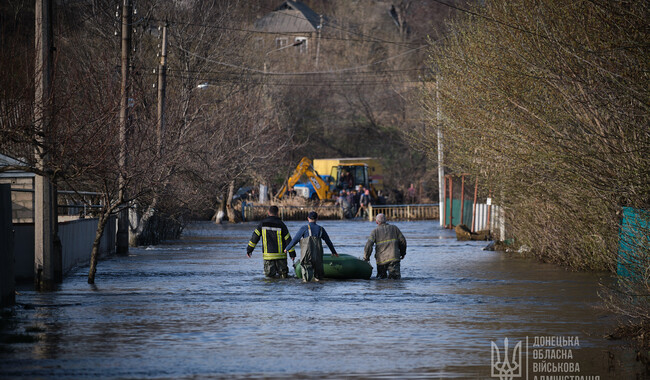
[[162, 84], [44, 221], [123, 219], [320, 28], [441, 168]]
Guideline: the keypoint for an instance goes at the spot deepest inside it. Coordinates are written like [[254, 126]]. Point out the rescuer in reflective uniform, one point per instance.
[[390, 248], [275, 237]]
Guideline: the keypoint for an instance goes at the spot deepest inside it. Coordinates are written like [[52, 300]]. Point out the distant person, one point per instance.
[[347, 180], [350, 199], [346, 208], [356, 196], [390, 248], [291, 192], [410, 193], [275, 236], [311, 248], [364, 203]]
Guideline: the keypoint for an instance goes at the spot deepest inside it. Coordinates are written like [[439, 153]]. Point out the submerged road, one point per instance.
[[198, 307]]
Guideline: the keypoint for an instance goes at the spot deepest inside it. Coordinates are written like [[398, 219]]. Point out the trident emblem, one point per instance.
[[506, 367]]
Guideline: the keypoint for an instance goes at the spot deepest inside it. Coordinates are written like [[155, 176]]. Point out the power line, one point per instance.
[[371, 73], [305, 72], [221, 81], [492, 19], [253, 31], [330, 25]]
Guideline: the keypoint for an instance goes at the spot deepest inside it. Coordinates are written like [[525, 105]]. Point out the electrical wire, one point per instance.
[[252, 31], [488, 18], [250, 69], [330, 25], [238, 80]]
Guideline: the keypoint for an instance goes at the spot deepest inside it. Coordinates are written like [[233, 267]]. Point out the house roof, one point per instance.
[[10, 161], [290, 17]]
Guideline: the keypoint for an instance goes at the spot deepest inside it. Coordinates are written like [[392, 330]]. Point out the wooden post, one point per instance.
[[441, 169], [462, 197], [123, 219], [474, 208], [451, 202]]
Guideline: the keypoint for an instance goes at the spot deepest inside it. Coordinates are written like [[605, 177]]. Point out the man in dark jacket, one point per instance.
[[390, 248], [275, 237], [311, 248]]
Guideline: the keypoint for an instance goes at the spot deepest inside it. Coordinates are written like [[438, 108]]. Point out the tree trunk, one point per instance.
[[232, 218], [94, 255]]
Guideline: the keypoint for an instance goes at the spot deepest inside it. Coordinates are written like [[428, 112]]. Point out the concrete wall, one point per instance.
[[76, 239]]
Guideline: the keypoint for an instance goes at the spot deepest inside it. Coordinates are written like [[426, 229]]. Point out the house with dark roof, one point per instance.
[[22, 189], [291, 33]]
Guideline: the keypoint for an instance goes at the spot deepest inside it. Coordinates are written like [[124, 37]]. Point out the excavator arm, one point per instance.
[[305, 168]]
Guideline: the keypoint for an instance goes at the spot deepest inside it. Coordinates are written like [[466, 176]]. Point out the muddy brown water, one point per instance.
[[197, 308]]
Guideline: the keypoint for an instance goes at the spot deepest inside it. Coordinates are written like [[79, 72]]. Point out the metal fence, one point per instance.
[[405, 212]]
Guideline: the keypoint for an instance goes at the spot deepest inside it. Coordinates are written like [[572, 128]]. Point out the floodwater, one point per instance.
[[199, 308]]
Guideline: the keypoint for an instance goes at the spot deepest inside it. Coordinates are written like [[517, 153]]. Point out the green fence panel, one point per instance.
[[634, 243]]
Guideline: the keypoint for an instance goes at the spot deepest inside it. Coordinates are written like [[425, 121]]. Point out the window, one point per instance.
[[280, 42], [259, 43], [301, 44]]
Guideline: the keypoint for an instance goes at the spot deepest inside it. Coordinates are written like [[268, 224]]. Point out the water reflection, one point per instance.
[[198, 307]]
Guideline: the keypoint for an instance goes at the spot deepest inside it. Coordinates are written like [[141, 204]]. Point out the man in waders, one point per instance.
[[311, 248], [275, 236], [390, 248]]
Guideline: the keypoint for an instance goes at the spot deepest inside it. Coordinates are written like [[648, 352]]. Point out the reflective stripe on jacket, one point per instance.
[[390, 244], [275, 237]]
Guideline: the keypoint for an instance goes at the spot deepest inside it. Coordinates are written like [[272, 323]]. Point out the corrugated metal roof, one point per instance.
[[290, 17]]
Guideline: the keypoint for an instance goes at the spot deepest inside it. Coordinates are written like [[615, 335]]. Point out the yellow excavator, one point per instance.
[[305, 168]]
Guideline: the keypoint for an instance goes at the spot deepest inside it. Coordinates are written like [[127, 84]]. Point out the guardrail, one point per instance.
[[393, 212], [405, 212]]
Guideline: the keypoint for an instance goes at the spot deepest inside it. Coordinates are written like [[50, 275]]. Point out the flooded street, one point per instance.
[[198, 307]]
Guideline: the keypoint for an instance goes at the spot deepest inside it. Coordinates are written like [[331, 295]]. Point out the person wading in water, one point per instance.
[[275, 235], [311, 248]]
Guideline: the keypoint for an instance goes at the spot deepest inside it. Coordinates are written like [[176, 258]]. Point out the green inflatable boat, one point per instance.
[[342, 267]]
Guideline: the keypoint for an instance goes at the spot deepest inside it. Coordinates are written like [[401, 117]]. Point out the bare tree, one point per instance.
[[546, 104]]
